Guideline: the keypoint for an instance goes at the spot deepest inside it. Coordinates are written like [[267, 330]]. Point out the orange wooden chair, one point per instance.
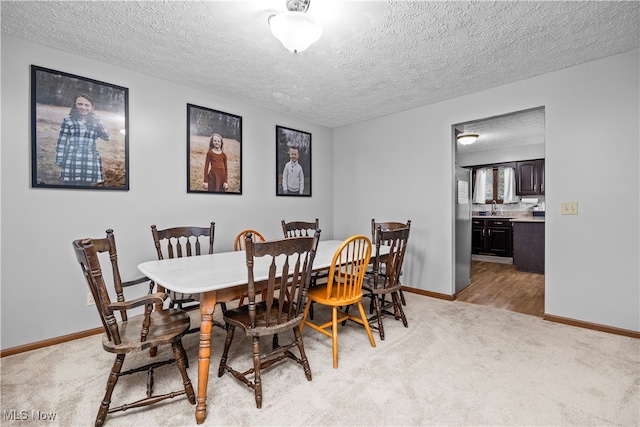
[[239, 244], [343, 288]]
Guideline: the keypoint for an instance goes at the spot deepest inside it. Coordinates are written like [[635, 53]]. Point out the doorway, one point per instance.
[[495, 281]]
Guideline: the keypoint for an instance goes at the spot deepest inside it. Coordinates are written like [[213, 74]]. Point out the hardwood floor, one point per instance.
[[502, 286]]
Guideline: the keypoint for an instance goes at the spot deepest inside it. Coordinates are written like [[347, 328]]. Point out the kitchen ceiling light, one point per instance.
[[467, 138], [295, 29]]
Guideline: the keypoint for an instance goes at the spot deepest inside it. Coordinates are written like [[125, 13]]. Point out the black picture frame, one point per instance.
[[286, 139], [70, 147], [202, 124]]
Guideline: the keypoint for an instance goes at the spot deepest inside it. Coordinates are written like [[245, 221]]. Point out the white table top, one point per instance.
[[222, 270]]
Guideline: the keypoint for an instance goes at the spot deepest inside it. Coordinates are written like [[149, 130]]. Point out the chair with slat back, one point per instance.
[[343, 288], [385, 281], [239, 244], [299, 228], [305, 228], [290, 264], [177, 242], [126, 334], [389, 226]]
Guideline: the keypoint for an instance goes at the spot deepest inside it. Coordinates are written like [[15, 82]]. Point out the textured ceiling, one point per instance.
[[375, 57], [509, 130]]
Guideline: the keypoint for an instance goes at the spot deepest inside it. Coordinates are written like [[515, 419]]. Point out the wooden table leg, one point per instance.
[[207, 305]]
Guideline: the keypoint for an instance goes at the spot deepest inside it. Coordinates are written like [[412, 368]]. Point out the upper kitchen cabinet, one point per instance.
[[530, 177]]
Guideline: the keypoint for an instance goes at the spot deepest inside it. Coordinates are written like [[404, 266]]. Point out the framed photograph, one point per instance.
[[293, 162], [214, 151], [79, 132]]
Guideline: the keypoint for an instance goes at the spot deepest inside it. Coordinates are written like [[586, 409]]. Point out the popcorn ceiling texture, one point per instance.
[[375, 57]]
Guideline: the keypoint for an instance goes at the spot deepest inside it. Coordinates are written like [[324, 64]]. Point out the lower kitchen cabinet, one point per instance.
[[528, 246], [491, 236]]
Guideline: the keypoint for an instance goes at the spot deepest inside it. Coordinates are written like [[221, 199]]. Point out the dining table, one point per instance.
[[218, 277]]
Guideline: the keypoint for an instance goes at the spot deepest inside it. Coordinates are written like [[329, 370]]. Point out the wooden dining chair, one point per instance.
[[177, 242], [389, 226], [305, 228], [385, 281], [290, 264], [343, 288], [124, 334], [299, 228], [239, 244]]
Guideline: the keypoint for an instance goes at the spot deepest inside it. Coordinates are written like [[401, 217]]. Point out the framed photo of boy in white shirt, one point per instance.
[[293, 162]]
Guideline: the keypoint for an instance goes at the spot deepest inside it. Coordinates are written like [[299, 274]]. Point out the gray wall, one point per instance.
[[43, 292], [592, 155], [592, 126]]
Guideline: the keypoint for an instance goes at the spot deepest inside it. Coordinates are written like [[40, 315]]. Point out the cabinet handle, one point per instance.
[[489, 232]]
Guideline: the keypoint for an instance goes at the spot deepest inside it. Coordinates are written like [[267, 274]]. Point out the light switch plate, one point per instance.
[[90, 300], [569, 208]]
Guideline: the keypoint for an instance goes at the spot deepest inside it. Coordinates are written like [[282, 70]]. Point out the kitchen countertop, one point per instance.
[[528, 219], [491, 217]]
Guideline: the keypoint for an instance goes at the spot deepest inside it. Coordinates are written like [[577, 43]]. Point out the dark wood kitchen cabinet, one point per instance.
[[491, 236], [528, 246], [530, 177]]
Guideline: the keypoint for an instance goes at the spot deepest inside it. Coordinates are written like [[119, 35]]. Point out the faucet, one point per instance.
[[494, 208]]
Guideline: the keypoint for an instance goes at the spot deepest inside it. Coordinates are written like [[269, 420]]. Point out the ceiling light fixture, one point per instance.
[[295, 29], [467, 138]]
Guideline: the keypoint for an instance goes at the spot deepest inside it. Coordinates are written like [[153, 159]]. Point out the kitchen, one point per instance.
[[500, 211]]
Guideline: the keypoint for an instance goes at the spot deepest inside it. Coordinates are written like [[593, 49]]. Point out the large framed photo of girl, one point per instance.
[[293, 162], [214, 151], [79, 132]]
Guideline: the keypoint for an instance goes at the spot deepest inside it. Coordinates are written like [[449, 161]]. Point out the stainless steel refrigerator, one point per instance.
[[462, 231]]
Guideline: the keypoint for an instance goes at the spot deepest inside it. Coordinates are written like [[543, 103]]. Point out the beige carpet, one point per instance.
[[456, 364]]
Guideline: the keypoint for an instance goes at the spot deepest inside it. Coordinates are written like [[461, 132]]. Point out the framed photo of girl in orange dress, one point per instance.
[[214, 151]]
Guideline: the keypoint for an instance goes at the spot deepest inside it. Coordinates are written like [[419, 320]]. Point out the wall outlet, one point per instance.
[[569, 208], [90, 300]]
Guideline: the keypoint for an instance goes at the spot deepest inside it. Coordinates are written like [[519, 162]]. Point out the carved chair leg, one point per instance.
[[257, 381], [150, 381], [400, 309], [227, 343], [179, 353], [303, 355], [346, 311], [402, 297], [378, 306], [111, 383], [184, 355]]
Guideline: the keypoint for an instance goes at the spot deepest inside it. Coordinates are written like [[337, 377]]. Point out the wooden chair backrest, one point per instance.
[[88, 255], [177, 242], [290, 271], [396, 240], [239, 243], [389, 225], [348, 267], [299, 228]]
